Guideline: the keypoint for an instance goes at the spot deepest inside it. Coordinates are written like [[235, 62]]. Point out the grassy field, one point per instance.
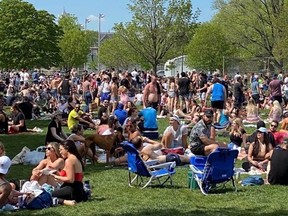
[[112, 196]]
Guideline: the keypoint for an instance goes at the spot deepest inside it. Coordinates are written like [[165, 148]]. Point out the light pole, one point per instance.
[[99, 39]]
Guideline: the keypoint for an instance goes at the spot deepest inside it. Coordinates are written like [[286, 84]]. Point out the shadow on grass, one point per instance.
[[203, 212]]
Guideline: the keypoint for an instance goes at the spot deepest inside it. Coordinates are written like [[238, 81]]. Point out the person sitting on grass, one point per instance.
[[18, 120], [258, 150], [53, 161], [77, 116], [77, 137], [55, 132], [278, 135], [175, 135], [278, 173], [71, 191], [5, 187]]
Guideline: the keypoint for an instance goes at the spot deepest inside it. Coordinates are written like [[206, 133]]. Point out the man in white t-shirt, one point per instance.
[[176, 134], [134, 74]]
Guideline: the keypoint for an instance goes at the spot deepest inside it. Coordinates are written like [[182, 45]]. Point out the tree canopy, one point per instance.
[[207, 47], [256, 27], [156, 27], [29, 38], [75, 43]]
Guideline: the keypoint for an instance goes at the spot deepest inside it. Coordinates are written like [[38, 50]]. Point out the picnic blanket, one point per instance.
[[26, 156]]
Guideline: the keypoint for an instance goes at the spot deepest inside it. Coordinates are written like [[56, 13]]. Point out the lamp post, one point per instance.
[[99, 39]]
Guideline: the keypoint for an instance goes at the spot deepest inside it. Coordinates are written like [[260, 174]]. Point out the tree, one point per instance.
[[29, 38], [75, 43], [207, 47], [156, 26], [254, 26]]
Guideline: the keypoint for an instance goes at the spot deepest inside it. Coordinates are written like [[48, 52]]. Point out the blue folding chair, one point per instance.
[[146, 169], [219, 168]]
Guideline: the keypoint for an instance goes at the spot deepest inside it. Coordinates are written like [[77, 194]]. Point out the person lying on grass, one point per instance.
[[149, 151]]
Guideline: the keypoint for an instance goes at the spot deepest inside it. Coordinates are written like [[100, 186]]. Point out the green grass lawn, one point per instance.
[[113, 196]]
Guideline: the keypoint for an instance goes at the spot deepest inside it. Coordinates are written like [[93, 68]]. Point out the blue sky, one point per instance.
[[115, 11]]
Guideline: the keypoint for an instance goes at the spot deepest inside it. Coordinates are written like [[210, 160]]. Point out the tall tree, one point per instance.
[[254, 26], [156, 27], [29, 38], [75, 43], [207, 47]]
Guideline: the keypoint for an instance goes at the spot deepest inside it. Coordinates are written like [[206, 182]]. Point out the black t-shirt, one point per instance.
[[184, 84], [27, 109], [238, 92], [279, 167], [49, 136], [237, 139], [101, 110], [16, 120], [202, 83]]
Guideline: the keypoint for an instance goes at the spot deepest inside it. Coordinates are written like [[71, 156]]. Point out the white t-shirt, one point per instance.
[[285, 84], [177, 141], [139, 97]]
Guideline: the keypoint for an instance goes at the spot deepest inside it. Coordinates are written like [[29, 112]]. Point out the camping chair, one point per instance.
[[148, 169], [219, 168]]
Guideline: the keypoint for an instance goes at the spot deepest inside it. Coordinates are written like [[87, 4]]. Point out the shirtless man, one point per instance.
[[114, 93], [150, 94], [87, 92], [54, 85]]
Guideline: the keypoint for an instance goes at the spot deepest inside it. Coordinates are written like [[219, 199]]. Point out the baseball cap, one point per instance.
[[5, 164], [208, 113], [176, 118], [262, 130]]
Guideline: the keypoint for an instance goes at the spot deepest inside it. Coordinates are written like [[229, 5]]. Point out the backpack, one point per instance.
[[252, 180], [43, 200]]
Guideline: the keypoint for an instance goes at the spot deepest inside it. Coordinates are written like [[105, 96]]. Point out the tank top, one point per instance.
[[217, 92], [65, 87]]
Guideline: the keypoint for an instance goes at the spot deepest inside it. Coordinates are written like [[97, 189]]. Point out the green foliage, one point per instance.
[[156, 27], [207, 47], [256, 27], [75, 43], [29, 38]]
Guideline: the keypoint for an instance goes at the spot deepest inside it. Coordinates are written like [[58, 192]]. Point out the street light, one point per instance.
[[99, 39]]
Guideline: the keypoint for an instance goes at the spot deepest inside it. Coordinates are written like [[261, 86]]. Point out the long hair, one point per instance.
[[70, 146], [256, 145], [55, 146], [251, 108]]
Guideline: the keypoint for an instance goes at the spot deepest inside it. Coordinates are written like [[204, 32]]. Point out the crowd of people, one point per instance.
[[197, 104]]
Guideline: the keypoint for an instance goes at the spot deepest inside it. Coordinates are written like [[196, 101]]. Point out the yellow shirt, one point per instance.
[[72, 118]]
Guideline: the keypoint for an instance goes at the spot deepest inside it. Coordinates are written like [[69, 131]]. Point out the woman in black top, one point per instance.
[[237, 133], [279, 165], [18, 120], [55, 132]]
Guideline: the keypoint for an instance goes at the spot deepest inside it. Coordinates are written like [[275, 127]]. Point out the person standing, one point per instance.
[[184, 84], [150, 94], [275, 89]]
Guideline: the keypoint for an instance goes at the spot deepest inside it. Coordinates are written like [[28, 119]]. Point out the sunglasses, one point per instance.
[[49, 148], [273, 126]]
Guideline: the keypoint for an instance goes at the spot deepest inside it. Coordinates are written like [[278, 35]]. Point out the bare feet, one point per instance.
[[69, 202]]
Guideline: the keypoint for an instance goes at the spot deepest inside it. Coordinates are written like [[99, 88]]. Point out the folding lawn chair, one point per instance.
[[146, 169], [219, 168]]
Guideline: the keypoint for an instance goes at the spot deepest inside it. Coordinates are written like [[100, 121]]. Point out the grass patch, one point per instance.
[[112, 196]]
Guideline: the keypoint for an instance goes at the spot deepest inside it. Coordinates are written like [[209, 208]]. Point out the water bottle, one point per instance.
[[87, 188]]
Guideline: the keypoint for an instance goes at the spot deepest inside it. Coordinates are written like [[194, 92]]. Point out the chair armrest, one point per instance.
[[163, 165], [151, 162], [195, 169]]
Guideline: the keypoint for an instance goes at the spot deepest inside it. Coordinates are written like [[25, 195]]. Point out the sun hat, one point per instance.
[[262, 130], [5, 164]]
